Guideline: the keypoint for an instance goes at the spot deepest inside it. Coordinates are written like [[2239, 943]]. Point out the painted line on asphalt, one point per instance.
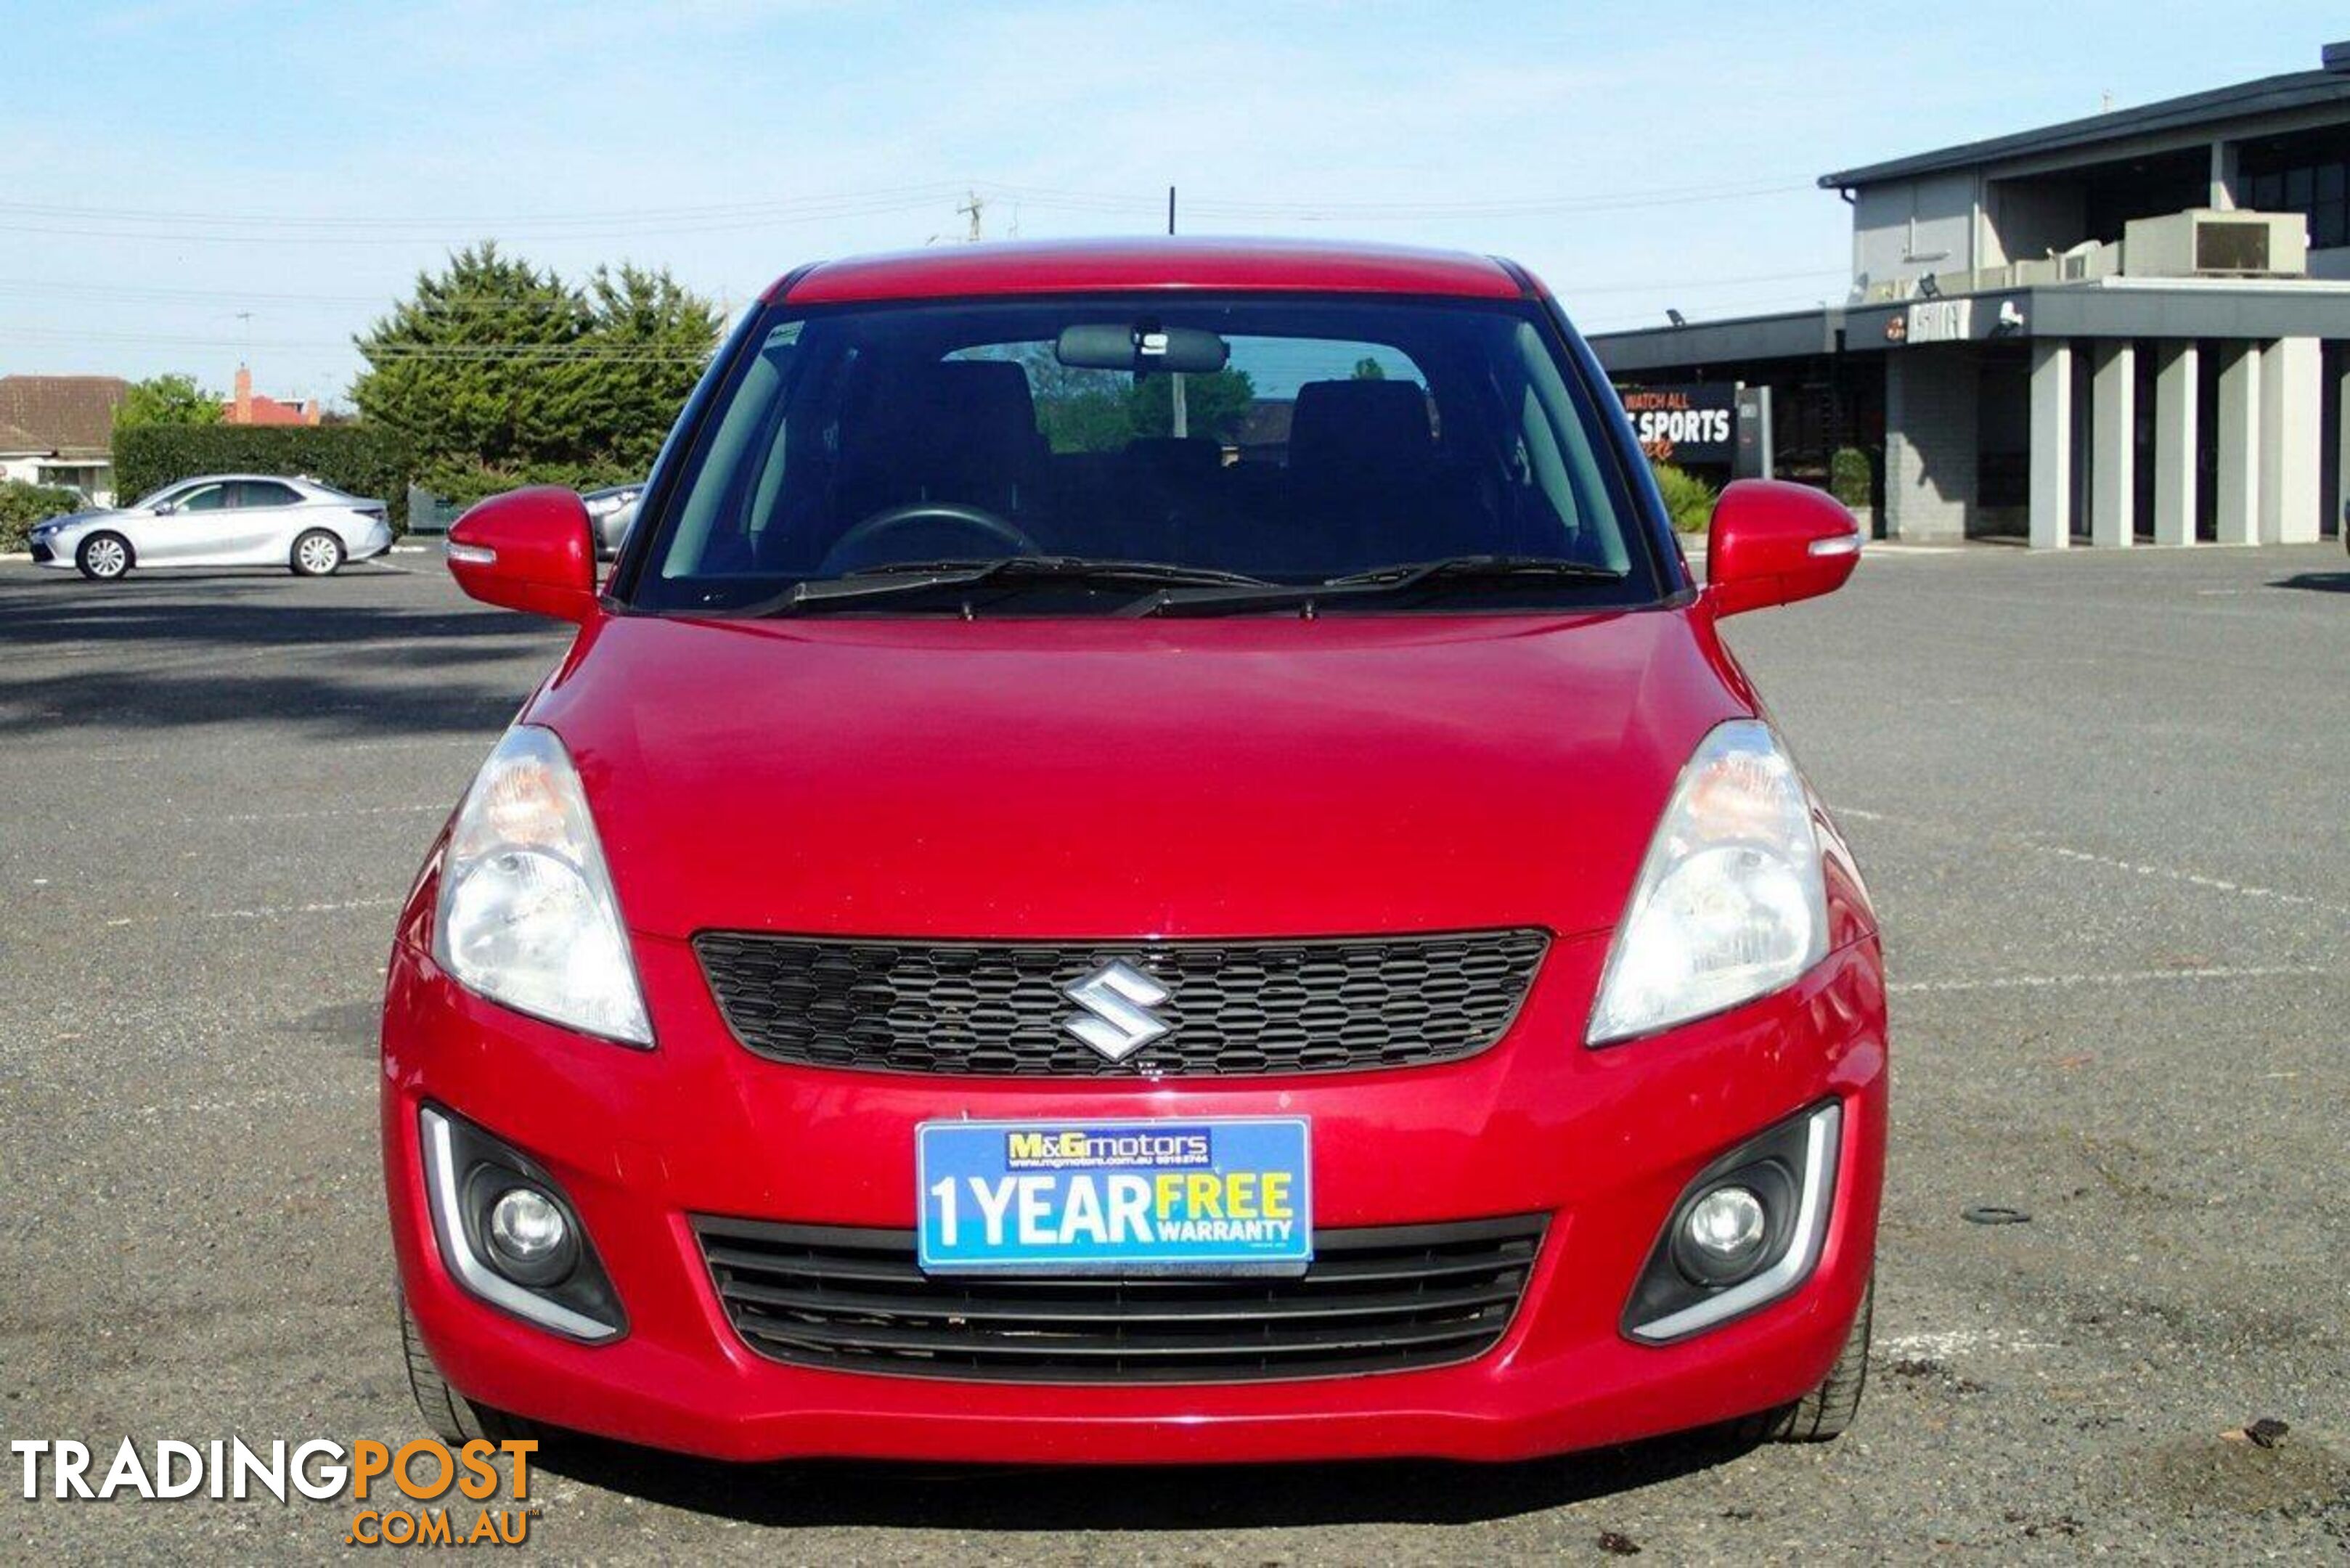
[[478, 744], [441, 806], [1948, 1342], [2179, 874], [328, 814], [2124, 977], [264, 912]]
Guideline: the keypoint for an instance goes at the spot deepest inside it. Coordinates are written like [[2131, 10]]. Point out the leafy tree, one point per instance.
[[1213, 404], [494, 373], [1369, 369], [1082, 409], [1090, 421], [653, 338], [167, 401]]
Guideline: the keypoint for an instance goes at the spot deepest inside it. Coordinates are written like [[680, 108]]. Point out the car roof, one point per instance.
[[1070, 266], [299, 480]]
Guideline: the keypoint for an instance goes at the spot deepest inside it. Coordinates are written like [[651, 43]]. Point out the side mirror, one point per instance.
[[528, 550], [164, 508], [1773, 543]]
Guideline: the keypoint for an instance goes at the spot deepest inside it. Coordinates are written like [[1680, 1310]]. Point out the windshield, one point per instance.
[[1258, 440]]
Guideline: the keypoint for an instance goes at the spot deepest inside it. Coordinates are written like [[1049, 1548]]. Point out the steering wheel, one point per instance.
[[847, 551]]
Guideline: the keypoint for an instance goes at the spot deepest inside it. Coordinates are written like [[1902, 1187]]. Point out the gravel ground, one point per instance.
[[2101, 800]]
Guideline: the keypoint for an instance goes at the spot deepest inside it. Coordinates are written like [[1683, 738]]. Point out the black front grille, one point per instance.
[[42, 553], [1233, 1008], [1372, 1301]]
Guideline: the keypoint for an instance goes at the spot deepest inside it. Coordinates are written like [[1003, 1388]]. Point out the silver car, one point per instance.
[[611, 510], [220, 520]]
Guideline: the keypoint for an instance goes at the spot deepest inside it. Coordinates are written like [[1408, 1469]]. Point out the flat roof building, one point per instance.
[[2131, 328]]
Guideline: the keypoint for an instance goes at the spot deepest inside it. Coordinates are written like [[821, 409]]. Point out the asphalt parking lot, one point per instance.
[[2104, 801]]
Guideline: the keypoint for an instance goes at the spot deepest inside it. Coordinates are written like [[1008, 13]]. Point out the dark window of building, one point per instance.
[[2309, 174]]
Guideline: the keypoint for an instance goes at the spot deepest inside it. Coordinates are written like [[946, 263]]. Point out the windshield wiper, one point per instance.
[[901, 579], [1472, 572]]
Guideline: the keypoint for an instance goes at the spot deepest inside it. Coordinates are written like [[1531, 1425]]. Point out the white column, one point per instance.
[[2341, 455], [2112, 446], [2175, 388], [2222, 193], [2236, 480], [2052, 443], [2290, 432]]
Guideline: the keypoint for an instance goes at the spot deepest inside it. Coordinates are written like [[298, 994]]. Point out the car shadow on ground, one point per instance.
[[1185, 1497], [2316, 582], [151, 655]]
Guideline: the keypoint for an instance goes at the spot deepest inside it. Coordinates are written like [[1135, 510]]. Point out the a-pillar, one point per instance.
[[2052, 443], [2236, 477], [2175, 392], [2290, 388], [2112, 446]]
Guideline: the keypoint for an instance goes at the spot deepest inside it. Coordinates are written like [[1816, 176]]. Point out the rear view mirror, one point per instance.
[[1772, 542], [1125, 346]]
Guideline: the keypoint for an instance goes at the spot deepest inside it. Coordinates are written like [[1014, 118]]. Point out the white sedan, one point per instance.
[[221, 520]]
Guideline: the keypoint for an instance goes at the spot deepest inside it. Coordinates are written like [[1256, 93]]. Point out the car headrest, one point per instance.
[[1175, 457], [962, 424], [1339, 429]]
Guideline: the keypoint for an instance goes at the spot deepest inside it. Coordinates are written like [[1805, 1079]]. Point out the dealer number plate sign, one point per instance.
[[1219, 1196]]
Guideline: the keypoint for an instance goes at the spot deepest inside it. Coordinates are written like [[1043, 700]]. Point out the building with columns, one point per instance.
[[2131, 328]]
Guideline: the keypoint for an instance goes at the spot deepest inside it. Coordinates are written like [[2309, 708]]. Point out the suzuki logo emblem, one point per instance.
[[1116, 1020]]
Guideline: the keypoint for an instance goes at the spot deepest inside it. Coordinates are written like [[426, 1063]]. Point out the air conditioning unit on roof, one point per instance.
[[2203, 241]]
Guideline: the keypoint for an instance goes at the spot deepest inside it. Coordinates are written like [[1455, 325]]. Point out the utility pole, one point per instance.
[[973, 206], [1180, 425]]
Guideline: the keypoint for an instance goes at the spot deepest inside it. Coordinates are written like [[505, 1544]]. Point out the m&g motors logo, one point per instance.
[[1075, 1149], [457, 1492]]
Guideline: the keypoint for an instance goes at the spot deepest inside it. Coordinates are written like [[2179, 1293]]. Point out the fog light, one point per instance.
[[509, 1236], [525, 1228], [1726, 1227], [1746, 1231]]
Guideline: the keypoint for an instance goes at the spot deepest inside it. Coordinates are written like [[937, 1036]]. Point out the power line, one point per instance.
[[311, 219], [212, 228]]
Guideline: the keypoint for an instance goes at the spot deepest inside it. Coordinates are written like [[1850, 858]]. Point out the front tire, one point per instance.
[[1822, 1415], [103, 557], [453, 1418], [317, 553]]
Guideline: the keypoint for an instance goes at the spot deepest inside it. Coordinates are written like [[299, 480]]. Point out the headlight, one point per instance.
[[526, 915], [1730, 903]]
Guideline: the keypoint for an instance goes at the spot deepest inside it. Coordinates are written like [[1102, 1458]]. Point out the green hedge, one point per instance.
[[360, 459], [1688, 499], [23, 504], [1849, 478]]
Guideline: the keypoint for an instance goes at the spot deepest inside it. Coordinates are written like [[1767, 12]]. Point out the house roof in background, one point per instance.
[[2270, 95], [16, 439], [72, 414], [267, 411]]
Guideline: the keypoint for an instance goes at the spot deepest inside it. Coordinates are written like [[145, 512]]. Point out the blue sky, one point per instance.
[[193, 182]]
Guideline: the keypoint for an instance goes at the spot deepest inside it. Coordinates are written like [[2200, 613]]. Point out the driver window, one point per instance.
[[210, 498]]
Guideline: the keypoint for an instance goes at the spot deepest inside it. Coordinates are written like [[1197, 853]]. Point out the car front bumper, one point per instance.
[[1601, 1142]]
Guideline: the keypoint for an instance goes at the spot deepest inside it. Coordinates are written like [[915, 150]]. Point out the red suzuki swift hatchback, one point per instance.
[[1149, 853]]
